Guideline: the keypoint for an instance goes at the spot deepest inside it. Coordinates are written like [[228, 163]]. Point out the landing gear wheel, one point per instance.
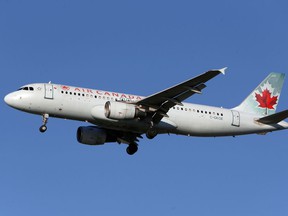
[[151, 133], [43, 128], [132, 149]]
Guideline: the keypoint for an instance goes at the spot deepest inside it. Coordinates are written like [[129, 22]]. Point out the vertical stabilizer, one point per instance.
[[265, 98]]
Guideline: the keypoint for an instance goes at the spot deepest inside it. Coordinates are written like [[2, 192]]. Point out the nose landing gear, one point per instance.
[[43, 127]]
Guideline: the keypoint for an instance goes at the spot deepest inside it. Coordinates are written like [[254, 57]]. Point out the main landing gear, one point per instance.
[[43, 127], [132, 148]]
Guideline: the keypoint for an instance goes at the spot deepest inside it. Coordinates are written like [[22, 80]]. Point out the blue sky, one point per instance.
[[141, 47]]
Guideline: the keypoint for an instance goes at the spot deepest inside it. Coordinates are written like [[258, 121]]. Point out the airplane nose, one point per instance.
[[14, 99], [7, 99]]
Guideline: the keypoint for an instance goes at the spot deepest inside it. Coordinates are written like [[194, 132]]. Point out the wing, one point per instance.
[[160, 103]]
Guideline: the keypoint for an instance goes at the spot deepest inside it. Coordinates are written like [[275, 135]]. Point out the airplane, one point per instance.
[[124, 118]]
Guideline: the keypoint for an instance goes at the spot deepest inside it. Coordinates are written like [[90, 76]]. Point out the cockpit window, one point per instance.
[[26, 88]]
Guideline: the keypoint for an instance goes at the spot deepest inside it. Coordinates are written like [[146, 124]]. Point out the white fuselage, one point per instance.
[[84, 104]]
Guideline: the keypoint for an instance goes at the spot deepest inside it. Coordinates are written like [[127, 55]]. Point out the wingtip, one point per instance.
[[223, 70]]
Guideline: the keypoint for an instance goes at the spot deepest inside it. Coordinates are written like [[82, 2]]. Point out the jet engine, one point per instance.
[[120, 110], [94, 136]]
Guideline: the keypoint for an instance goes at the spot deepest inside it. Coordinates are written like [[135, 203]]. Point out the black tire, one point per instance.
[[151, 134], [43, 128], [132, 149]]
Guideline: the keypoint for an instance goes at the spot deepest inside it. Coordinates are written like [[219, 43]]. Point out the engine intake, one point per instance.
[[119, 110]]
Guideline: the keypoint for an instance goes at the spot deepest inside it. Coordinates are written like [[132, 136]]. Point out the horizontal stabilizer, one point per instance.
[[274, 118]]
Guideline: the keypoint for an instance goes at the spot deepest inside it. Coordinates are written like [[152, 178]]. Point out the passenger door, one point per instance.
[[235, 118], [48, 91]]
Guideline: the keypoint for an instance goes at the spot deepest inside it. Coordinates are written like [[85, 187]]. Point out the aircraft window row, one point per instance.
[[26, 88], [198, 111]]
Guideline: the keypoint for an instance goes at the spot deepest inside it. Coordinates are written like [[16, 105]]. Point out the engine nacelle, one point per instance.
[[119, 110], [94, 136]]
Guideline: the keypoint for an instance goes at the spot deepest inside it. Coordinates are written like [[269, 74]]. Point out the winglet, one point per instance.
[[223, 70]]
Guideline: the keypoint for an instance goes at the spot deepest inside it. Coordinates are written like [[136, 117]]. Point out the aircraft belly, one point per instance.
[[132, 126]]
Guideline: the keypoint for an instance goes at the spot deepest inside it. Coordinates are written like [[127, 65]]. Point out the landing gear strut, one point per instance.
[[43, 127], [132, 148]]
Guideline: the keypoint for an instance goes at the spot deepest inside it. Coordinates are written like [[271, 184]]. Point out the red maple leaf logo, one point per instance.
[[265, 100]]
